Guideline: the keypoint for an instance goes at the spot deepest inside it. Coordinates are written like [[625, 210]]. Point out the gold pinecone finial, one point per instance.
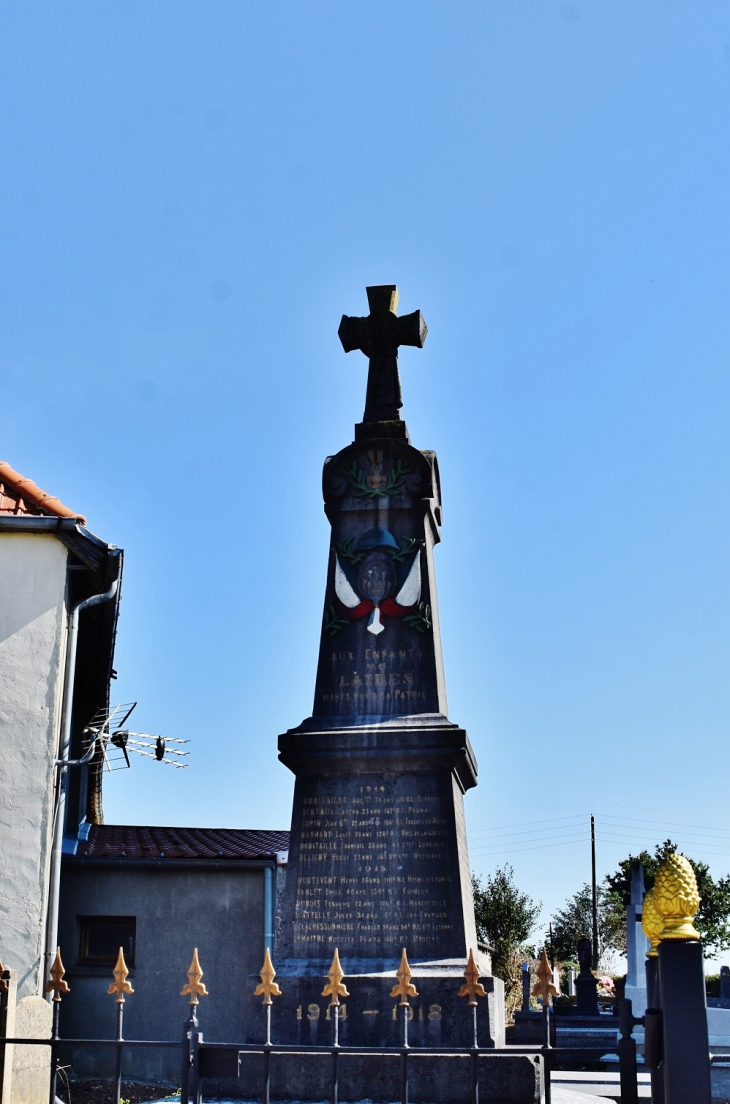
[[544, 987], [677, 898], [404, 989], [57, 985], [3, 983], [120, 985], [267, 987], [472, 987], [652, 923], [335, 989], [194, 988]]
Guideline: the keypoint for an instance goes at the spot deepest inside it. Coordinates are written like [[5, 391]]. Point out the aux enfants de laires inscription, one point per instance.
[[378, 857]]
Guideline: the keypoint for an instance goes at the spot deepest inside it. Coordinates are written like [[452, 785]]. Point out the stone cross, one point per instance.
[[379, 337]]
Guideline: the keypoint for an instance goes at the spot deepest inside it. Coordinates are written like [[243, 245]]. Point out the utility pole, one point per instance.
[[595, 892]]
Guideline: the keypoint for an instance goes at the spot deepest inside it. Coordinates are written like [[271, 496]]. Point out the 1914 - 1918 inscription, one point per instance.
[[376, 867]]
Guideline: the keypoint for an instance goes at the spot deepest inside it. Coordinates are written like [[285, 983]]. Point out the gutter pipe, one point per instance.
[[64, 762], [268, 909]]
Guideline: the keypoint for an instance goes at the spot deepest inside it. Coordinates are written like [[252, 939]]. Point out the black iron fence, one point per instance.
[[201, 1061]]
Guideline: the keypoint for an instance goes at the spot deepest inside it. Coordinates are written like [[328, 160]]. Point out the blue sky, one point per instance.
[[194, 193]]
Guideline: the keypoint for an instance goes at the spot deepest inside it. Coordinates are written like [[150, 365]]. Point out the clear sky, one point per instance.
[[193, 193]]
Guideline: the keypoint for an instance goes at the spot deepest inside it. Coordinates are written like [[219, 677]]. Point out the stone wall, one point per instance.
[[32, 656]]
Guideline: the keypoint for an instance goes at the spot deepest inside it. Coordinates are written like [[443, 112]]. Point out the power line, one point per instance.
[[486, 843], [529, 837], [521, 823], [668, 823], [647, 833], [536, 847], [691, 846]]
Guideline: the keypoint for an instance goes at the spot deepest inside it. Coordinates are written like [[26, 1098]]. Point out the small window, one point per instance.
[[102, 936]]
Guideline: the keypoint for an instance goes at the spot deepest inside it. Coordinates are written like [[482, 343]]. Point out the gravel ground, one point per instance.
[[102, 1092]]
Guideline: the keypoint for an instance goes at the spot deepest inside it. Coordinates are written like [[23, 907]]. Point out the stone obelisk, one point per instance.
[[378, 858]]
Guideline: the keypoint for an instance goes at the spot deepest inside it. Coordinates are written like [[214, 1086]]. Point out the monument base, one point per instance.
[[586, 993], [370, 1017], [446, 1078]]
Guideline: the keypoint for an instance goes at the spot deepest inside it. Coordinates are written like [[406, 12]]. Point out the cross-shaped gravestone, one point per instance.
[[378, 336]]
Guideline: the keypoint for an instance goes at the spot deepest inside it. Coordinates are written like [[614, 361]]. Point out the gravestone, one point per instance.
[[636, 944], [725, 983], [378, 858], [586, 984], [526, 987]]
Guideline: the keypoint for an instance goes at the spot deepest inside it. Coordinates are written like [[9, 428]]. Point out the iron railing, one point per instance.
[[201, 1060]]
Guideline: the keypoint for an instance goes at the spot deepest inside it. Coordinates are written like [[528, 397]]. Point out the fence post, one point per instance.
[[686, 1059], [57, 986], [473, 988], [334, 989], [403, 990], [627, 1052], [192, 1038], [267, 988], [544, 989]]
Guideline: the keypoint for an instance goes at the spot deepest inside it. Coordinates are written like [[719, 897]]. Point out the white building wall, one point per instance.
[[32, 659]]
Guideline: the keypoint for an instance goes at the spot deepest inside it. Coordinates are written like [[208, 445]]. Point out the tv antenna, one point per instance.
[[106, 732]]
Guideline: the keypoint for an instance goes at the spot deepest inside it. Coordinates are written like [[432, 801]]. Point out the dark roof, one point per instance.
[[121, 841]]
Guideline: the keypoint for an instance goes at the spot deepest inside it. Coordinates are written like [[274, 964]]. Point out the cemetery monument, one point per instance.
[[378, 859]]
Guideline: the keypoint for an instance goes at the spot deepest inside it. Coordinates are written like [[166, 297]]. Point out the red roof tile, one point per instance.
[[120, 841], [21, 496]]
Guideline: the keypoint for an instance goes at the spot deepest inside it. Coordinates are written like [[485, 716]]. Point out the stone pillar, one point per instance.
[[8, 997], [686, 1064], [32, 1064], [636, 945]]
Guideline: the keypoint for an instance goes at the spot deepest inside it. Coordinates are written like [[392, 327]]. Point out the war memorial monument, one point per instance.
[[378, 859]]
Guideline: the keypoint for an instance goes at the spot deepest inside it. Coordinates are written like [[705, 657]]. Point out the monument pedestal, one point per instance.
[[377, 863]]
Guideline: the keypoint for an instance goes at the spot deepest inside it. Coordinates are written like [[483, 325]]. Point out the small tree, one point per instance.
[[575, 920], [504, 917], [712, 920]]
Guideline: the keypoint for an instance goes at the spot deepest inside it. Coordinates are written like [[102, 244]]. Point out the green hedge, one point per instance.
[[712, 985]]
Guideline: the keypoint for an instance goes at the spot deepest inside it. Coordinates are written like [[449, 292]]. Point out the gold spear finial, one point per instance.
[[677, 898], [472, 987], [652, 923], [267, 988], [335, 989], [57, 985], [194, 987], [120, 985], [404, 989], [544, 987]]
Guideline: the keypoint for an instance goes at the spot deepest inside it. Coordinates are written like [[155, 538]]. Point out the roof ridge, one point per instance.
[[27, 489]]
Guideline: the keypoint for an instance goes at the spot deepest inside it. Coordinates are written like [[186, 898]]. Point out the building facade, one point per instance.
[[159, 893], [50, 563]]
